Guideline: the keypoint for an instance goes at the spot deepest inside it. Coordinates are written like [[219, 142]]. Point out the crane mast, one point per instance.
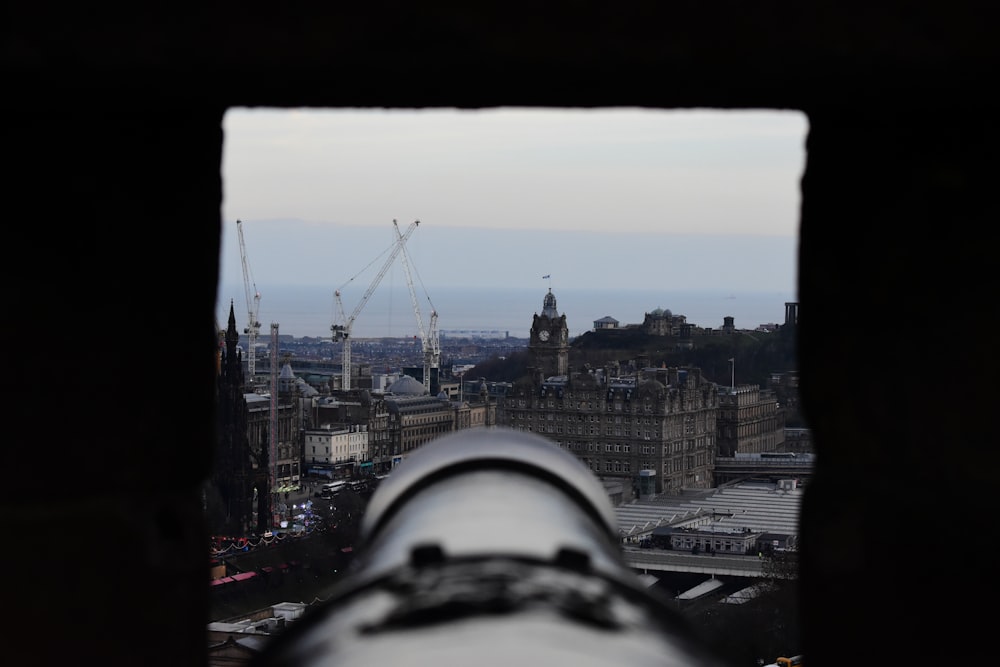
[[253, 307], [429, 340], [342, 332], [272, 442]]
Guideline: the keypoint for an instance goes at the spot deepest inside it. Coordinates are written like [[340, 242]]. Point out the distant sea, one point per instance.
[[303, 311]]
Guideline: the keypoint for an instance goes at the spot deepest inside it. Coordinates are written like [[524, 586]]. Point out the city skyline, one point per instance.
[[308, 311]]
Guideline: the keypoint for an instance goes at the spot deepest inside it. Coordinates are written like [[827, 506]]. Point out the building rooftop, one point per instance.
[[757, 506], [407, 386]]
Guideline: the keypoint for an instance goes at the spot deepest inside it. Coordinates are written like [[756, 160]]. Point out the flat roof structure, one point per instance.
[[763, 507]]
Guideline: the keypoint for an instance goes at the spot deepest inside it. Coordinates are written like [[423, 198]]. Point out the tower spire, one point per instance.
[[549, 305], [234, 363]]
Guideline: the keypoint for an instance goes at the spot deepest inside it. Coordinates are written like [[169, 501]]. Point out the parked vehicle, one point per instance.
[[332, 489]]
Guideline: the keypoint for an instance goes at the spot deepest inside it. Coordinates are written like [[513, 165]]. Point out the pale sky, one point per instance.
[[611, 197]]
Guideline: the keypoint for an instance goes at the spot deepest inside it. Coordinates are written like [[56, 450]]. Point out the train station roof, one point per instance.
[[767, 507]]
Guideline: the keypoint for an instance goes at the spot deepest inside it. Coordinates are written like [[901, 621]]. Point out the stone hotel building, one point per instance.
[[653, 429]]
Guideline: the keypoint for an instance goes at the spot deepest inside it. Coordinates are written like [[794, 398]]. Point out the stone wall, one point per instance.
[[113, 144]]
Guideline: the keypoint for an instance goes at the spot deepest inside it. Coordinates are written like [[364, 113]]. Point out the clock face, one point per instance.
[[543, 335]]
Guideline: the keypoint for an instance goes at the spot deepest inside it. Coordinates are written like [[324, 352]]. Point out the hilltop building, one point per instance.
[[606, 322], [662, 322]]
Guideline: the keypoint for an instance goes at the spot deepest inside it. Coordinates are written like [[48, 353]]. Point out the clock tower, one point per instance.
[[549, 343]]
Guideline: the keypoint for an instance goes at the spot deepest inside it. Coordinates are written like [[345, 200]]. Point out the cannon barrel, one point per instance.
[[489, 547]]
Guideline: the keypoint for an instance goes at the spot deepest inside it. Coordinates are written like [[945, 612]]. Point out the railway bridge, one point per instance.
[[652, 561]]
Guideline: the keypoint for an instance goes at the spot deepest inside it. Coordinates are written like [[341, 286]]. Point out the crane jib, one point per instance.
[[343, 332]]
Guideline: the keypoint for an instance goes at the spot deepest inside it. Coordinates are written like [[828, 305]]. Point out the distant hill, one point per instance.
[[757, 355]]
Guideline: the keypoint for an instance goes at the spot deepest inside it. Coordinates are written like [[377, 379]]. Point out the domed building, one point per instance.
[[406, 386], [662, 322], [415, 417]]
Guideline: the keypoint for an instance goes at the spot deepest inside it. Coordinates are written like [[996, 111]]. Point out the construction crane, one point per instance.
[[253, 307], [428, 338], [342, 332]]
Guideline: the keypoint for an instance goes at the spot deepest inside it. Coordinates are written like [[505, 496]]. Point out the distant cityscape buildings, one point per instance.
[[657, 430], [651, 430], [662, 322]]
